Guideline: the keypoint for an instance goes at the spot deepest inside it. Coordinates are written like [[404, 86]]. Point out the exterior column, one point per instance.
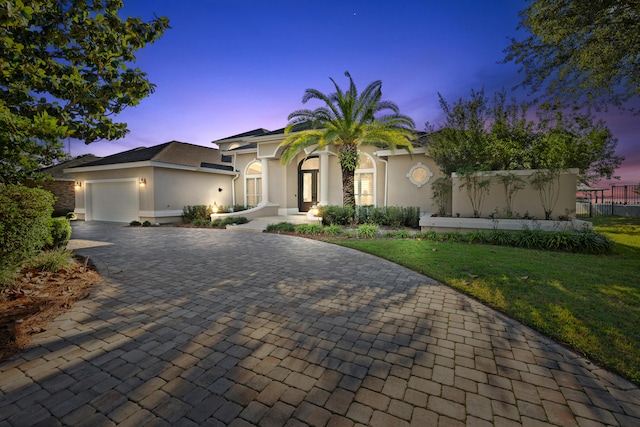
[[265, 181], [324, 178]]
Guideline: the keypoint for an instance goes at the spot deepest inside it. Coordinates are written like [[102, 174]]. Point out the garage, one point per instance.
[[114, 201]]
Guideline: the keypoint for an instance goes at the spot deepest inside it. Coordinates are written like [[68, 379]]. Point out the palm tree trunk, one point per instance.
[[348, 193], [348, 157]]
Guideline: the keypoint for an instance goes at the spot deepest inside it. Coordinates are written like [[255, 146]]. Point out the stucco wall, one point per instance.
[[166, 191], [403, 192], [173, 189], [525, 202]]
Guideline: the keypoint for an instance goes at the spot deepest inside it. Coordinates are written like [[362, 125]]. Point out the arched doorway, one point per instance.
[[308, 183]]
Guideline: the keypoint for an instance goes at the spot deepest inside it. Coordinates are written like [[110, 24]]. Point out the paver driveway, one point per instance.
[[214, 327]]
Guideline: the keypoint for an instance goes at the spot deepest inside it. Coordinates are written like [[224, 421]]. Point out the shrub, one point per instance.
[[135, 223], [332, 230], [191, 213], [71, 215], [283, 227], [234, 220], [24, 223], [366, 231], [499, 237], [399, 234], [199, 222], [310, 229], [337, 215], [427, 235], [52, 260], [453, 236], [476, 236], [146, 223], [60, 232]]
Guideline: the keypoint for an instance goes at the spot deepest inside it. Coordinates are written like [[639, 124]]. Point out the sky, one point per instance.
[[230, 66]]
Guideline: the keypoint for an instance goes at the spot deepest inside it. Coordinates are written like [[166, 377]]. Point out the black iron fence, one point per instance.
[[622, 200]]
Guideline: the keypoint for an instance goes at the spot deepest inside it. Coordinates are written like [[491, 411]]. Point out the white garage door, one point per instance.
[[114, 201]]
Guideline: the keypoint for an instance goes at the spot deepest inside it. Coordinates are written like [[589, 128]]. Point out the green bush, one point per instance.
[[282, 227], [310, 229], [135, 223], [146, 223], [199, 222], [391, 216], [366, 231], [191, 213], [60, 232], [52, 260], [24, 223], [399, 234], [233, 220], [333, 230], [337, 215]]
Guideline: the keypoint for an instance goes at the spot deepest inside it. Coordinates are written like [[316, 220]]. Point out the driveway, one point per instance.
[[219, 327]]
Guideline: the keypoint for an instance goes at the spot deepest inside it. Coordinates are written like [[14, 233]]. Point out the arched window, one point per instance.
[[253, 184], [365, 181]]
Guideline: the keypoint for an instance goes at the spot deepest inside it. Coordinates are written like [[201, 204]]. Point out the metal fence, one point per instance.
[[622, 200]]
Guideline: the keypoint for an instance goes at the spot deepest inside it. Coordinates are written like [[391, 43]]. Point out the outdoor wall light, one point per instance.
[[220, 189], [315, 210], [215, 208], [143, 182], [78, 185]]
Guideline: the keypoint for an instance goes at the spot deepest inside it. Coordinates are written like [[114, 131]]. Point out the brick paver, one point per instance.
[[221, 327]]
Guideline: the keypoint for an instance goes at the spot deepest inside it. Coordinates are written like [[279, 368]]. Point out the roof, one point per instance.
[[57, 171], [173, 152], [254, 132], [216, 166]]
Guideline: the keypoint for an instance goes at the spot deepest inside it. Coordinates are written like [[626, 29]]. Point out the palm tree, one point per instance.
[[347, 121]]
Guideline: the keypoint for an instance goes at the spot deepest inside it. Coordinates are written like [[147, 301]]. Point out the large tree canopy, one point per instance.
[[348, 120], [483, 134], [66, 70], [580, 50]]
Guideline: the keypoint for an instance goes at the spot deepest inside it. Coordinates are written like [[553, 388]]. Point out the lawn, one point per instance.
[[589, 302]]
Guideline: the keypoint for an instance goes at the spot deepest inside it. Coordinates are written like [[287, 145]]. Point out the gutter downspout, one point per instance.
[[233, 181]]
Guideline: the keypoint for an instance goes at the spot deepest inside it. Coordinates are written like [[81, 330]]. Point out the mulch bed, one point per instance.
[[38, 298]]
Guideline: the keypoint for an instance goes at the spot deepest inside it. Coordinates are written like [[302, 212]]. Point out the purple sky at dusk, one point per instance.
[[229, 66]]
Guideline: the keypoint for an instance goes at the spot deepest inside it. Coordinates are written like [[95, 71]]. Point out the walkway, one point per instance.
[[219, 327]]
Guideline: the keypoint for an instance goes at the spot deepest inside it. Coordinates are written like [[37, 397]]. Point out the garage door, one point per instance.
[[114, 201]]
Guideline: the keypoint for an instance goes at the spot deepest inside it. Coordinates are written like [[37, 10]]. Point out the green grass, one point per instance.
[[590, 302]]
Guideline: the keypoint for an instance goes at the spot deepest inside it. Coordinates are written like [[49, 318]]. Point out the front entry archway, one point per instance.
[[308, 183]]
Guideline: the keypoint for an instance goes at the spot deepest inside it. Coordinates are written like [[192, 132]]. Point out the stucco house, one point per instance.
[[155, 183], [384, 177]]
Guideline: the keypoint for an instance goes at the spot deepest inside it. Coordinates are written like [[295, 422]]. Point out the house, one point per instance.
[[384, 177], [153, 183], [62, 184]]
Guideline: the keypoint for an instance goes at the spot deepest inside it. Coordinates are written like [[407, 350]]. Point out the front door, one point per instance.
[[308, 183]]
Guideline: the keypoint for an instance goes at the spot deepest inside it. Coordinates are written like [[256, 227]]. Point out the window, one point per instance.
[[419, 175], [364, 181], [253, 181]]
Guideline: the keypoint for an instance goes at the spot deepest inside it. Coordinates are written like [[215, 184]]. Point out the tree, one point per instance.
[[481, 135], [580, 49], [65, 71], [574, 140], [347, 121]]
